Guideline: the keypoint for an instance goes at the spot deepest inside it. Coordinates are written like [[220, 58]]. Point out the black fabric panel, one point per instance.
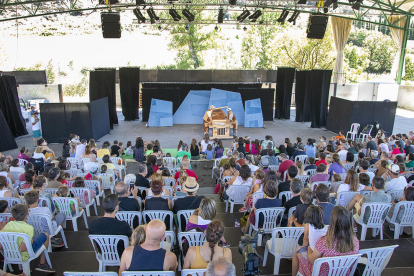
[[53, 122], [284, 84], [9, 104], [280, 84], [171, 94], [307, 104], [326, 82], [129, 90], [300, 91], [100, 123], [339, 116], [78, 119], [316, 95], [101, 85], [384, 113], [7, 141], [266, 96]]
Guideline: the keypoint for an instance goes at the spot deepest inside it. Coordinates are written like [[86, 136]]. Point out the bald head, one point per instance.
[[155, 231], [121, 188], [220, 267]]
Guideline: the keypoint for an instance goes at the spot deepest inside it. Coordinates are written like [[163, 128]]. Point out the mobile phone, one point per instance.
[[131, 186]]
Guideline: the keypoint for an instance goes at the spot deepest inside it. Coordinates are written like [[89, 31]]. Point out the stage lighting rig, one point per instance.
[[243, 15], [174, 14], [152, 15], [140, 2], [255, 16], [138, 14], [283, 16], [220, 16], [187, 14], [357, 5], [294, 17], [232, 2], [302, 2]]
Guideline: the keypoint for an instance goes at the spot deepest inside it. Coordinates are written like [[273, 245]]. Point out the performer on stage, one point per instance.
[[233, 120], [207, 118]]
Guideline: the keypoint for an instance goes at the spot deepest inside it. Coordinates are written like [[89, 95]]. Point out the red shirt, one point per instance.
[[241, 162], [285, 166], [189, 173], [155, 168], [321, 162], [247, 147]]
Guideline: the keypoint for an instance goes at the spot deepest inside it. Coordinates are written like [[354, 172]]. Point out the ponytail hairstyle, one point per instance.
[[337, 159], [193, 144], [398, 144], [214, 232], [180, 144]]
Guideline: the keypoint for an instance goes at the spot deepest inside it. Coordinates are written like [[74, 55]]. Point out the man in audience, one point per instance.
[[236, 156], [265, 151], [285, 186], [374, 157], [103, 151], [397, 182], [268, 139], [92, 165], [220, 267], [80, 149], [408, 147], [285, 163], [371, 145], [184, 151], [296, 186], [363, 168], [53, 176], [322, 199], [299, 151], [343, 151], [108, 224], [115, 149], [399, 138], [311, 166], [141, 181], [125, 203], [384, 156], [23, 154], [191, 201], [149, 256], [190, 173], [322, 157]]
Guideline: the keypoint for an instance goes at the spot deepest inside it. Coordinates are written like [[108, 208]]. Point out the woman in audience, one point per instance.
[[66, 149], [38, 153], [336, 166], [340, 240], [194, 150], [6, 188], [72, 151], [310, 148], [155, 177], [180, 143], [255, 147], [219, 150], [156, 152], [28, 166], [202, 216], [349, 158], [80, 183], [398, 159], [398, 149], [240, 146], [14, 167], [156, 202], [93, 146], [88, 152], [46, 150], [206, 141], [330, 149], [351, 183], [301, 170], [289, 149], [151, 165], [139, 150], [259, 176], [383, 146], [321, 146], [243, 179], [30, 176], [138, 236]]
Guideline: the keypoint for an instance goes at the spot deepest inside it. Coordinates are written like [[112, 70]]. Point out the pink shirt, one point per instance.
[[254, 150]]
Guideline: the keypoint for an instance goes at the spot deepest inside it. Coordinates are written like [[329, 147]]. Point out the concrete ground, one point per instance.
[[170, 136]]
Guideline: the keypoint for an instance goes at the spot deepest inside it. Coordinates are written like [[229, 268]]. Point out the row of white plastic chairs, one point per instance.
[[184, 272]]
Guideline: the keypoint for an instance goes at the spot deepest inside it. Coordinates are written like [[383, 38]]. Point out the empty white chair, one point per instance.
[[256, 196], [161, 215], [192, 272], [73, 172], [270, 216], [353, 132], [72, 163], [108, 182], [347, 167], [303, 178], [377, 259], [63, 205], [146, 273], [169, 182], [216, 164], [169, 162], [238, 196], [193, 239], [311, 172], [287, 194], [301, 158], [407, 217], [11, 201], [396, 194], [337, 265], [344, 198], [282, 248], [70, 273], [363, 136], [96, 186], [129, 216], [81, 193], [42, 223], [22, 163], [108, 245], [316, 183], [11, 251], [376, 218], [186, 214]]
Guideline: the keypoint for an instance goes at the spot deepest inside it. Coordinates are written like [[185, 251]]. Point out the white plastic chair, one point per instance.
[[282, 248], [80, 193], [47, 202], [291, 210], [108, 244], [72, 163], [169, 182], [96, 186], [106, 182], [169, 162], [287, 194], [145, 273], [168, 242], [375, 220], [311, 172], [238, 197], [118, 167], [343, 176], [316, 183], [377, 259], [285, 176], [256, 196], [301, 158], [42, 223], [161, 215], [51, 191], [84, 161], [129, 216], [11, 251], [193, 239], [407, 219], [216, 164], [186, 214], [192, 272], [304, 178], [11, 201], [337, 265], [24, 191], [365, 192], [224, 180], [70, 273], [73, 172], [363, 136], [273, 167], [347, 167], [63, 205], [270, 215], [99, 160], [6, 217], [353, 131], [174, 198], [344, 198], [15, 175], [395, 194], [22, 163]]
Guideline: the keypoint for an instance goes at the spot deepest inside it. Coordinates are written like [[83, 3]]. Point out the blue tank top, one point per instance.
[[144, 260]]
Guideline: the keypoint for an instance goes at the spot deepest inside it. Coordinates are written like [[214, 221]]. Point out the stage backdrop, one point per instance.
[[129, 90], [7, 141], [284, 85], [343, 113], [88, 120]]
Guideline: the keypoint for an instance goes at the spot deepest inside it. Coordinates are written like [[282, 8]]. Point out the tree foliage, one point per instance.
[[409, 69]]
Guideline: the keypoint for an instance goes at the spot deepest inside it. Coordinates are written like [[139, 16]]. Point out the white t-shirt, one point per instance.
[[38, 155], [204, 145], [36, 126], [347, 188], [315, 234], [384, 147], [16, 169], [396, 184], [237, 182], [91, 166], [235, 145], [80, 149]]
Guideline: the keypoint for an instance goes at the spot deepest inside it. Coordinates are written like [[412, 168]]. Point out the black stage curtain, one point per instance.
[[319, 89], [284, 84], [326, 83], [129, 90], [9, 104], [307, 104], [266, 96], [300, 92], [101, 85], [7, 141]]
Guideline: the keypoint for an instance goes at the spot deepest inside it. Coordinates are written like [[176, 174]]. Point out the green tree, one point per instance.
[[409, 69], [50, 73], [357, 35], [356, 57], [381, 49]]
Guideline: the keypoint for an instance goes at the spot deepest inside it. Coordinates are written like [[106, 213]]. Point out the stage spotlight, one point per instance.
[[220, 16], [138, 14], [174, 14], [255, 16], [283, 16], [327, 3], [159, 27], [245, 29], [357, 5], [152, 15], [216, 28], [232, 2], [187, 14], [243, 15], [294, 17]]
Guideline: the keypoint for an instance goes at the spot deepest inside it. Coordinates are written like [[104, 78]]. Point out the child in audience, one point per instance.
[[296, 220], [235, 143], [259, 176], [138, 236], [30, 177], [219, 149], [80, 183], [311, 165], [210, 154], [337, 181], [64, 192], [314, 226]]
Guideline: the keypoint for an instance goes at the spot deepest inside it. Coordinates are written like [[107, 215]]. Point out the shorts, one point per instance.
[[37, 133], [38, 241]]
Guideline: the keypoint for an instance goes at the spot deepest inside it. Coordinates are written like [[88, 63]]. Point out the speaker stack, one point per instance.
[[111, 26], [317, 26]]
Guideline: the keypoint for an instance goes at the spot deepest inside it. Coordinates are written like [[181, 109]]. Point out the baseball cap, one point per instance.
[[394, 168]]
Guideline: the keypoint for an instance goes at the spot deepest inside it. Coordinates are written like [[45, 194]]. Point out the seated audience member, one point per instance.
[[88, 152], [349, 158], [40, 186], [107, 162], [156, 202], [408, 195], [220, 267], [299, 151], [255, 147], [108, 224], [382, 168], [4, 171], [285, 186], [28, 166], [20, 213], [53, 176], [398, 149], [197, 255], [14, 167], [284, 166], [79, 182], [123, 190], [185, 165], [265, 151], [371, 145], [269, 200], [80, 149], [363, 168], [330, 149], [149, 150], [115, 149], [374, 157], [321, 174], [336, 182], [100, 153], [355, 147], [191, 201], [229, 169], [321, 144], [149, 256], [45, 149], [296, 220], [410, 161], [296, 186], [138, 236], [364, 179], [141, 180], [340, 240], [397, 181], [351, 183], [23, 154], [322, 199], [139, 153], [322, 160], [30, 176], [259, 175], [301, 170], [243, 179], [202, 216], [336, 166], [6, 189], [219, 149], [311, 166], [223, 161], [273, 159], [239, 159], [408, 147], [93, 164], [310, 148], [157, 153]]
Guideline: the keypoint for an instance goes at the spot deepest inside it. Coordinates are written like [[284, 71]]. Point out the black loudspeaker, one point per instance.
[[111, 27], [317, 26]]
